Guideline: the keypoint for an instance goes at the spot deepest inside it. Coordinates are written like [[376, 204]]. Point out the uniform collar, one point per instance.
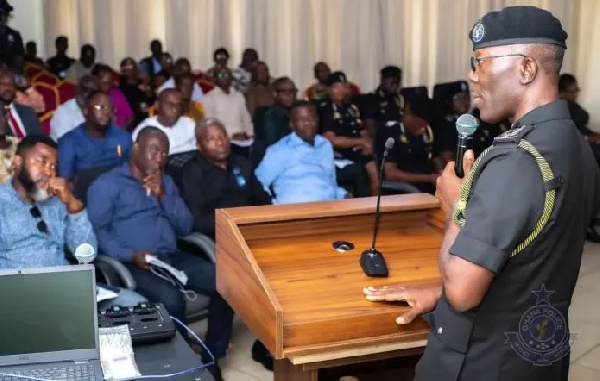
[[552, 111]]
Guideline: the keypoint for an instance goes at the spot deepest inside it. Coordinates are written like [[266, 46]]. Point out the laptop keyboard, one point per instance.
[[76, 372]]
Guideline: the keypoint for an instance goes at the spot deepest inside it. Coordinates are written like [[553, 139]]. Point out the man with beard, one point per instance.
[[22, 120], [39, 215], [98, 143]]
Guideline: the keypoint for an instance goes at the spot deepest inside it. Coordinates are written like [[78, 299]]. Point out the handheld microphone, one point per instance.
[[372, 260], [85, 253], [466, 125]]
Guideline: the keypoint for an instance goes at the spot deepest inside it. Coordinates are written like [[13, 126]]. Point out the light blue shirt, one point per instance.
[[22, 245], [299, 172]]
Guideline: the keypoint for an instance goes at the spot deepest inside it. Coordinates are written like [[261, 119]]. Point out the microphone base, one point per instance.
[[373, 263]]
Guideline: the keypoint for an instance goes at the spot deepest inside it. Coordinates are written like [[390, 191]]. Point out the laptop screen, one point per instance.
[[47, 310]]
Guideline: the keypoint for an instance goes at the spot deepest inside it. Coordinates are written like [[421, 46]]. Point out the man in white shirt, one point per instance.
[[229, 106], [179, 129], [69, 114], [182, 66]]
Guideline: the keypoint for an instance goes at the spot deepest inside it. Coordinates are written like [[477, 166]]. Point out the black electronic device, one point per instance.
[[148, 322]]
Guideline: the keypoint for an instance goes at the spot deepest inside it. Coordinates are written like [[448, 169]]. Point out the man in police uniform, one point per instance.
[[454, 100], [410, 159], [386, 104], [512, 251], [341, 124], [11, 43]]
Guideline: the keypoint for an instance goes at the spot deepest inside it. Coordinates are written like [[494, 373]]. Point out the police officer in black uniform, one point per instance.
[[512, 248], [341, 123], [385, 103], [411, 158], [452, 100], [11, 43]]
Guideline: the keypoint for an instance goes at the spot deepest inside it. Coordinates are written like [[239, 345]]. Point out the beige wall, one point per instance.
[[427, 38]]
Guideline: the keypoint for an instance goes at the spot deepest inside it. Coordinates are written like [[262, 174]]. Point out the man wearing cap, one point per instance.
[[512, 249], [11, 43], [410, 159], [454, 100], [342, 126]]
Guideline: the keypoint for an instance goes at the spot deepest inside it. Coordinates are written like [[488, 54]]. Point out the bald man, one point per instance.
[[179, 129], [214, 178], [137, 214]]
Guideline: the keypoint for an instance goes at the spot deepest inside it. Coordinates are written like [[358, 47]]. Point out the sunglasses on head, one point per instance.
[[41, 225]]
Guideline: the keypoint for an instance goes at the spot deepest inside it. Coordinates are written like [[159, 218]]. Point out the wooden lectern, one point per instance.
[[277, 268]]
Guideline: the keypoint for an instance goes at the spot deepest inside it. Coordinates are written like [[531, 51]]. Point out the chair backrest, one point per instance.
[[258, 122], [84, 178], [66, 91], [50, 95], [45, 121]]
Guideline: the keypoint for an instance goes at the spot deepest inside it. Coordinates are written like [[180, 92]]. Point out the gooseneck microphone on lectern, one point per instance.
[[371, 260], [466, 125]]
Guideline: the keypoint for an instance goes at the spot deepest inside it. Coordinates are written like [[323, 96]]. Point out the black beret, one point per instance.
[[391, 72], [421, 106], [445, 91], [409, 92], [336, 76], [517, 25], [5, 7]]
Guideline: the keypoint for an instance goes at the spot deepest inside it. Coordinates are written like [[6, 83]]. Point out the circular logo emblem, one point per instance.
[[478, 32], [543, 336]]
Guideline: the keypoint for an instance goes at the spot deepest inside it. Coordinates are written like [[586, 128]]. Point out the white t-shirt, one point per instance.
[[182, 135], [66, 117]]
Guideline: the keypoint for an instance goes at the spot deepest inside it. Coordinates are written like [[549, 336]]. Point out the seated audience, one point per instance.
[[97, 143], [84, 66], [152, 64], [27, 95], [70, 114], [276, 119], [193, 109], [342, 125], [138, 93], [242, 75], [221, 59], [300, 166], [39, 216], [122, 114], [182, 66], [385, 104], [229, 106], [137, 212], [60, 63], [410, 158], [31, 54], [259, 92], [318, 90], [170, 120], [22, 120], [568, 89], [8, 147], [455, 101], [214, 178]]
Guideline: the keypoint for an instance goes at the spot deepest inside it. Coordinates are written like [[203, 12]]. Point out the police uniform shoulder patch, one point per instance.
[[513, 135]]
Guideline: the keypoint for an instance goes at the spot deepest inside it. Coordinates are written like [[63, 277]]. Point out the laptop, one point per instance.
[[48, 324]]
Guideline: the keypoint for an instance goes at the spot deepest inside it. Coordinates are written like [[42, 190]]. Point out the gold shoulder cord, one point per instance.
[[549, 201]]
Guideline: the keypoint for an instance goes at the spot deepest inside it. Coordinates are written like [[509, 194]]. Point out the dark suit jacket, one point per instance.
[[11, 45], [147, 63], [30, 120]]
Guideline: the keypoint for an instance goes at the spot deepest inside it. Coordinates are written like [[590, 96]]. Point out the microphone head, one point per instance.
[[466, 125], [85, 253], [389, 143]]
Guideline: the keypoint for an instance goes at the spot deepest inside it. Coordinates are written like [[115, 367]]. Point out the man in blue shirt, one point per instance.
[[98, 143], [300, 166], [137, 212], [39, 215]]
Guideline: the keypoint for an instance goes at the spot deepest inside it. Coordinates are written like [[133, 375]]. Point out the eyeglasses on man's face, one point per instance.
[[476, 61]]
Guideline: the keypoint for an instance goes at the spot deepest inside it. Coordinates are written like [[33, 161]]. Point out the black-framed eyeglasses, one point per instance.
[[41, 225], [476, 61]]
